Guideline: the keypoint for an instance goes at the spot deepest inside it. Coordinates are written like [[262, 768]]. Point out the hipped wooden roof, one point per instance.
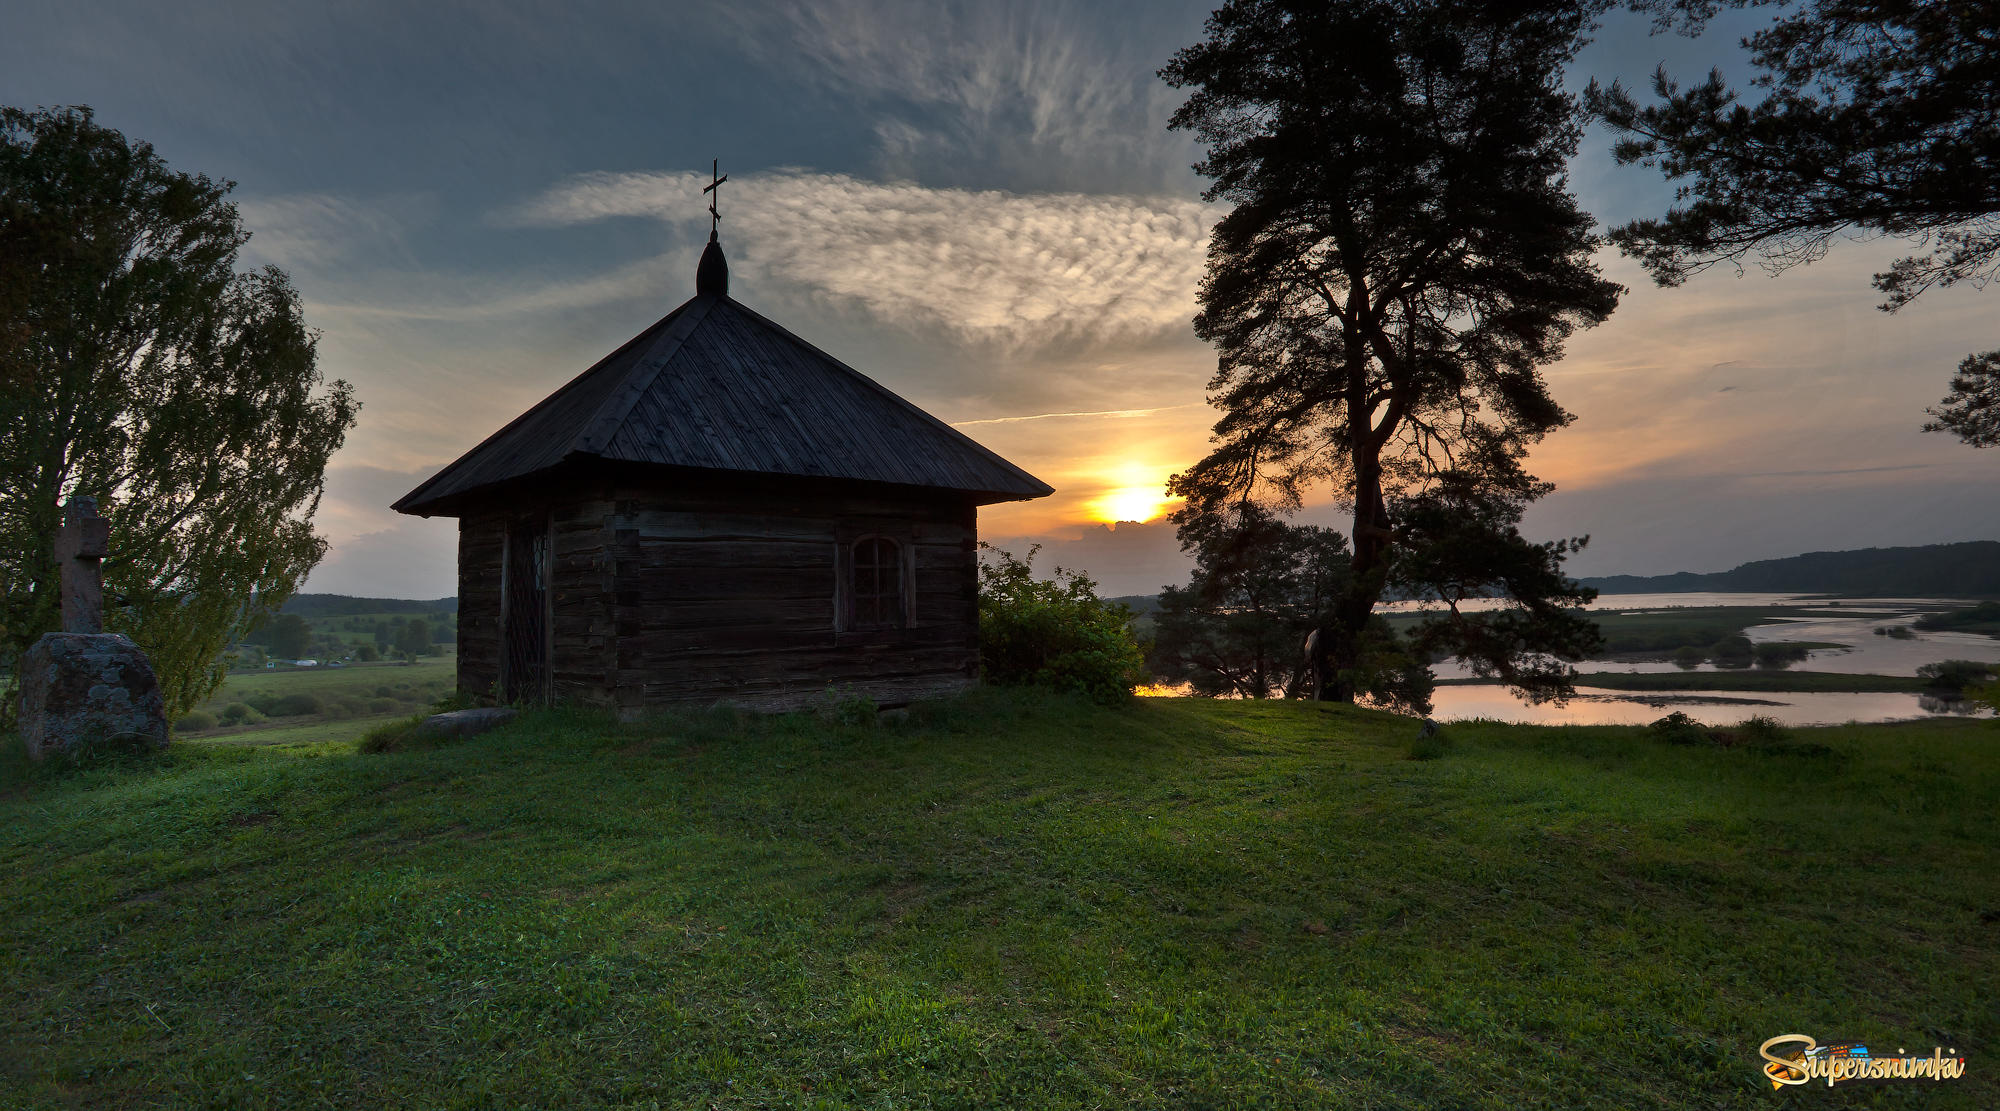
[[717, 387]]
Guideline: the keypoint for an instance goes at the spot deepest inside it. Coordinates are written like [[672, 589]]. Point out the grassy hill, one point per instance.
[[1009, 900]]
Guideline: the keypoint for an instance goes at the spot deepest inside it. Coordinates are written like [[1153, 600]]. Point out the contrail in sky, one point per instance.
[[1098, 413]]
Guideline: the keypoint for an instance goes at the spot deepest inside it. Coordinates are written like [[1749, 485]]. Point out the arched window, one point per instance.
[[878, 583]]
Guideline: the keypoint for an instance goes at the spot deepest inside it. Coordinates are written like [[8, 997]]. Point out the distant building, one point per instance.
[[719, 511]]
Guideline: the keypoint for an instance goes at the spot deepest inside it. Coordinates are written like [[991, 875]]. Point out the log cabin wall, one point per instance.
[[743, 598], [480, 540], [691, 594]]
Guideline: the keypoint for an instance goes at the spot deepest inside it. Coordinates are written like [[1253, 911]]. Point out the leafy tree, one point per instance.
[[1402, 258], [1259, 587], [414, 638], [367, 653], [1954, 676], [384, 635], [289, 636], [1053, 632], [1877, 118], [144, 371]]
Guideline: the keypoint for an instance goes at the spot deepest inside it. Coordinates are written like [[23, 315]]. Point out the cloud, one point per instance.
[[981, 265], [307, 231], [1036, 94]]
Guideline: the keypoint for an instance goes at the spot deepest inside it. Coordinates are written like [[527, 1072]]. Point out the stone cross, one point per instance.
[[81, 543]]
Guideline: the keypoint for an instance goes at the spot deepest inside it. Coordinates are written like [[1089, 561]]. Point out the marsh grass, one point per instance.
[[1008, 900]]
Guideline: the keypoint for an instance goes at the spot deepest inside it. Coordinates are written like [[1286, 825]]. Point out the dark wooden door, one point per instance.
[[524, 661]]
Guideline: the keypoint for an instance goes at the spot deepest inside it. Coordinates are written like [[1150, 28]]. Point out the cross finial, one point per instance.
[[81, 544], [716, 180]]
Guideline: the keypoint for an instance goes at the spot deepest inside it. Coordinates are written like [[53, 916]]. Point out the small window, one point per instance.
[[878, 583]]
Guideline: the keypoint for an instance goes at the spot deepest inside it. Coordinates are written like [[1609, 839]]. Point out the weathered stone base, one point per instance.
[[465, 723], [84, 690]]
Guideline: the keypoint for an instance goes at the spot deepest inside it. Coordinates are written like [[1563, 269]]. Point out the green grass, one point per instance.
[[1009, 901], [1742, 680]]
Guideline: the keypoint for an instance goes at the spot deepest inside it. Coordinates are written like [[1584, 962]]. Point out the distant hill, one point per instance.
[[340, 605], [1970, 569]]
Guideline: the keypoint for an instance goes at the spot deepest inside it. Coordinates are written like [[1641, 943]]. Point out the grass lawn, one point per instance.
[[1008, 901]]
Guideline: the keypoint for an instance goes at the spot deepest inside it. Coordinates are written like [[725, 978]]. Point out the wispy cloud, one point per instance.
[[983, 265], [1034, 93], [309, 231]]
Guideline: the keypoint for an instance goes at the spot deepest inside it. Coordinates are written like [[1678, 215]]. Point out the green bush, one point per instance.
[[1952, 677], [1054, 633], [1688, 657], [1762, 732], [196, 722], [293, 705], [1732, 652], [1779, 655], [383, 705], [1680, 729], [238, 713]]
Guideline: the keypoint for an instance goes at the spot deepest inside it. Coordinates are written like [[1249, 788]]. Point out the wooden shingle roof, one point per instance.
[[717, 387]]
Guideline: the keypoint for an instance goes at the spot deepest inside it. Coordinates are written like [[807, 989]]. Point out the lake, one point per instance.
[[1849, 623]]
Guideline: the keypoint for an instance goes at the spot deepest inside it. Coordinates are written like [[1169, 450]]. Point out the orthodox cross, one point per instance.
[[714, 217], [82, 542]]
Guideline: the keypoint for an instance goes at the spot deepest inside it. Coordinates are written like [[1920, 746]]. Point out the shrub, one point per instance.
[[383, 705], [1952, 677], [196, 722], [238, 713], [1054, 632], [293, 705], [1779, 655], [1732, 652], [1688, 657], [1762, 732], [1680, 729]]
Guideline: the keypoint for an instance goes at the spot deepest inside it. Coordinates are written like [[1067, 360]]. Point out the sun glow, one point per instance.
[[1141, 496]]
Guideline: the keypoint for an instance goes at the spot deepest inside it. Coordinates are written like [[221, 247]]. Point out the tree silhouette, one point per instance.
[[1402, 258], [1878, 117]]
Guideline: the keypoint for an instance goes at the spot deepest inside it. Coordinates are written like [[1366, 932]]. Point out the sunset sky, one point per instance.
[[978, 205]]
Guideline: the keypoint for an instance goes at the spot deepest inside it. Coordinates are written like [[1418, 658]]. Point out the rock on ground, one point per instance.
[[84, 690], [464, 723]]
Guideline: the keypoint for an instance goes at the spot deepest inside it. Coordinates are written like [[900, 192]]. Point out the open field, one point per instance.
[[331, 700], [1010, 900]]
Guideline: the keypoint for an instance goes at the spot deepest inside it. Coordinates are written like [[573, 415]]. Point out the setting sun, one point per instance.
[[1141, 495], [1133, 503]]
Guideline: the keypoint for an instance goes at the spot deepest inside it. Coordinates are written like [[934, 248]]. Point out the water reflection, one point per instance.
[[1596, 706]]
